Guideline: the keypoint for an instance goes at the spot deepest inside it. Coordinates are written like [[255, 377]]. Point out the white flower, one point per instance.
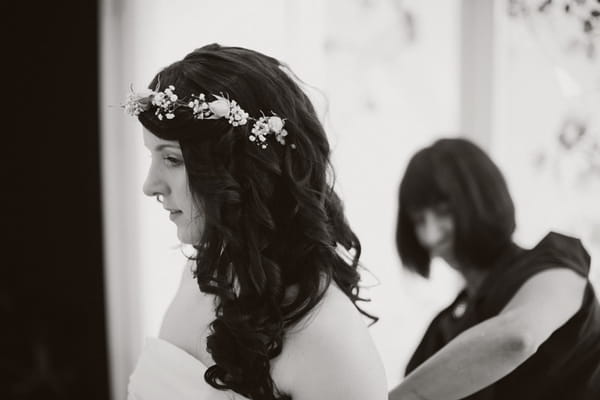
[[275, 124], [137, 102], [220, 107], [236, 119], [157, 99]]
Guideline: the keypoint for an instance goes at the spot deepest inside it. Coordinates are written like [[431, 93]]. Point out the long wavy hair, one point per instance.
[[273, 220]]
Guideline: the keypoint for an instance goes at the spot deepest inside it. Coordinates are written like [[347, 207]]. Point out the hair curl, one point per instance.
[[273, 220]]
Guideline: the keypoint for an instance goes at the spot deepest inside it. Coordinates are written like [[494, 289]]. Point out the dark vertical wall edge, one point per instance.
[[53, 336]]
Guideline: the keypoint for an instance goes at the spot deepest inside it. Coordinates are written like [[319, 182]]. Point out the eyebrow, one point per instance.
[[164, 146]]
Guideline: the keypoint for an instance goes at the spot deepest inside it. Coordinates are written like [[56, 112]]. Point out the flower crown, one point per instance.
[[166, 102]]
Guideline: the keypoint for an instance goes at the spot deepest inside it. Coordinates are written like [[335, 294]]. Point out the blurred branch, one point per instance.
[[586, 14]]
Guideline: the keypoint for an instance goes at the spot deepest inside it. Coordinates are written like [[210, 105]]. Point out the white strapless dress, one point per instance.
[[166, 372]]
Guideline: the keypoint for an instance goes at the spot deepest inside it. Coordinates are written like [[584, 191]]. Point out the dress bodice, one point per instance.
[[164, 371]]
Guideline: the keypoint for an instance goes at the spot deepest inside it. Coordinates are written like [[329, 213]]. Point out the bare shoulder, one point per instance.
[[330, 354], [533, 314], [565, 284]]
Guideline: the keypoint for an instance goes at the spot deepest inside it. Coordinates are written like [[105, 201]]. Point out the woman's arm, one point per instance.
[[485, 353]]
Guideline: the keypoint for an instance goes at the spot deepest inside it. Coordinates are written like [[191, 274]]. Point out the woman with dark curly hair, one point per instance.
[[527, 323], [269, 308]]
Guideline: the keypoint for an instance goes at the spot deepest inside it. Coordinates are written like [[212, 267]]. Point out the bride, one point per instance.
[[268, 308]]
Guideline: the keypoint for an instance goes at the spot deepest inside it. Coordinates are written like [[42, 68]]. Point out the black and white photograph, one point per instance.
[[301, 200]]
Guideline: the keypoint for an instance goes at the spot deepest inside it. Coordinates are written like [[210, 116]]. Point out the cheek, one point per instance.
[[194, 229], [448, 225], [182, 191], [420, 233], [193, 208], [196, 221]]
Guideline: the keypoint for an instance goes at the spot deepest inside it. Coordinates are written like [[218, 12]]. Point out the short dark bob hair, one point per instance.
[[457, 172]]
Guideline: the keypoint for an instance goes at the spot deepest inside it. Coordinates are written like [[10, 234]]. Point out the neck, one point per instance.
[[473, 277]]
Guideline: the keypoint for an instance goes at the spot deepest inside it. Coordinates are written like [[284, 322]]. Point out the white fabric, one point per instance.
[[165, 372]]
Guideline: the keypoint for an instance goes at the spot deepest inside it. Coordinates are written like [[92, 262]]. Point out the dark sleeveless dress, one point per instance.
[[567, 365]]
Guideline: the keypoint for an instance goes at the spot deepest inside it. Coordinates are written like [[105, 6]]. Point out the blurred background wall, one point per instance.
[[388, 77]]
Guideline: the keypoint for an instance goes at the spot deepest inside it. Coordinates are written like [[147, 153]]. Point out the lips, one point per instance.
[[173, 212], [441, 247]]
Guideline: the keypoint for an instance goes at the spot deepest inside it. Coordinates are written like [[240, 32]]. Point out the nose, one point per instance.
[[154, 183], [431, 230]]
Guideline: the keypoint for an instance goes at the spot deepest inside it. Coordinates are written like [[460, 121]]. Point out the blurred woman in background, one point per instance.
[[527, 323]]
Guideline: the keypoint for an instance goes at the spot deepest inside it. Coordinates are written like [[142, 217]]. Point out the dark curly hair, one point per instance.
[[273, 220]]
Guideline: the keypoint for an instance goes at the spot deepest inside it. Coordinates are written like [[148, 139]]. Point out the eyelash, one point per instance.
[[172, 161]]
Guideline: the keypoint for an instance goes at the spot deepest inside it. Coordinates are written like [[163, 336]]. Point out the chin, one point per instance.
[[187, 237], [184, 238]]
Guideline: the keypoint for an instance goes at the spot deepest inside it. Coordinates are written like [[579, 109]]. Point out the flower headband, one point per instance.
[[166, 102]]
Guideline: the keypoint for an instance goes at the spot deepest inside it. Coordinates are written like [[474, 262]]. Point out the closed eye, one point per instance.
[[172, 161]]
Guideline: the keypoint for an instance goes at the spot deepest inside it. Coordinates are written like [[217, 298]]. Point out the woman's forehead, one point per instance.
[[154, 143]]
